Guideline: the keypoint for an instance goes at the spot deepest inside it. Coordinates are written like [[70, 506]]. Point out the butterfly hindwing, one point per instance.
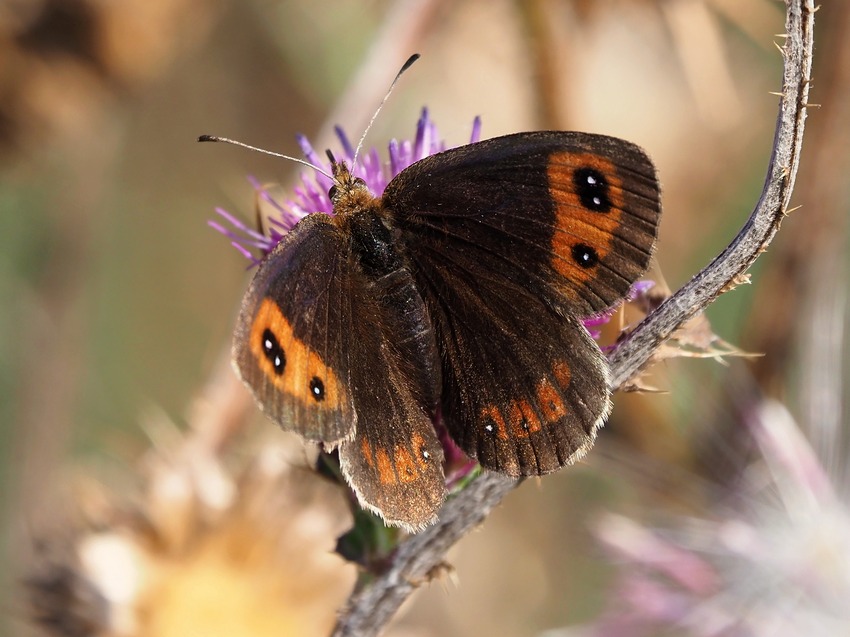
[[290, 345], [394, 463], [524, 389]]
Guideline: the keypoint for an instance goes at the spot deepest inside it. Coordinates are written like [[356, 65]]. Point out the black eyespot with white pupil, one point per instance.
[[317, 389], [592, 189], [585, 256], [424, 454], [489, 424], [273, 351]]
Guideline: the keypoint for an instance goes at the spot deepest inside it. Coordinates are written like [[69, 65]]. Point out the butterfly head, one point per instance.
[[348, 193]]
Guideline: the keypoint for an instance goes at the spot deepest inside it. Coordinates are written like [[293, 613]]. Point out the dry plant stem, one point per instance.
[[634, 352], [370, 609]]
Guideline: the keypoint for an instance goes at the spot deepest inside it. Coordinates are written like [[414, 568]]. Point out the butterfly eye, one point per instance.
[[359, 181], [273, 351], [332, 192], [317, 389]]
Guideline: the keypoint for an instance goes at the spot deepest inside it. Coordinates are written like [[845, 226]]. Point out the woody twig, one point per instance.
[[371, 608]]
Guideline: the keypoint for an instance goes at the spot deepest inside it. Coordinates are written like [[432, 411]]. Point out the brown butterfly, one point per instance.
[[457, 295]]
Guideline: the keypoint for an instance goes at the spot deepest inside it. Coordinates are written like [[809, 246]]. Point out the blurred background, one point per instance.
[[136, 474]]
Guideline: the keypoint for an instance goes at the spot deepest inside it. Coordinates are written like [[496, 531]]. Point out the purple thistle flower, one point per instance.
[[312, 195]]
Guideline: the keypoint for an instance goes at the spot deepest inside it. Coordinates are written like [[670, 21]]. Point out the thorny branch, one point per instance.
[[370, 609]]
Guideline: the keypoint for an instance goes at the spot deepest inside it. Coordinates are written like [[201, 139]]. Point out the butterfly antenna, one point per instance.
[[215, 138], [404, 67]]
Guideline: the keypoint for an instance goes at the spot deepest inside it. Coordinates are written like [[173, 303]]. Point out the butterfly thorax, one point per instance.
[[362, 217]]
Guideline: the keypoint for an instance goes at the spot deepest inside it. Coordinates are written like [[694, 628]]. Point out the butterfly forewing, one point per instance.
[[290, 344], [572, 217]]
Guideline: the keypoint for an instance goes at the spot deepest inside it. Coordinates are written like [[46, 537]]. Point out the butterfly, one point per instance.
[[456, 296]]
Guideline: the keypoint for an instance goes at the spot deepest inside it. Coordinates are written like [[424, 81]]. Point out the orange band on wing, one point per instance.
[[522, 418], [386, 473], [402, 466], [302, 366], [575, 223], [491, 417], [562, 374], [551, 404], [405, 465]]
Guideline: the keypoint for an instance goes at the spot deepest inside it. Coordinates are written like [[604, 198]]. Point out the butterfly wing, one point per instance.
[[394, 464], [524, 389], [317, 347], [571, 216], [511, 240], [290, 344]]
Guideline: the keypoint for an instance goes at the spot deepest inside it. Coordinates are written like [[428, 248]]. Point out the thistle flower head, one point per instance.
[[311, 195], [208, 549]]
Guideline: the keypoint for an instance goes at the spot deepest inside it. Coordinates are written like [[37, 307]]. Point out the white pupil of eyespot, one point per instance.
[[489, 427], [597, 200], [268, 344], [316, 390], [277, 361], [591, 180]]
